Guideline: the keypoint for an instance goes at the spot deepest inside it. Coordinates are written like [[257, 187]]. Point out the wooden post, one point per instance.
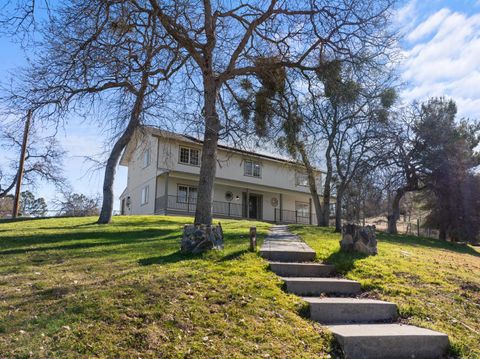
[[418, 227], [310, 211], [248, 204], [281, 208], [253, 239], [166, 192], [16, 203]]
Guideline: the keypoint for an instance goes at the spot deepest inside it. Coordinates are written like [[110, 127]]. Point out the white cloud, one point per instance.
[[407, 12], [428, 26], [443, 60], [406, 16]]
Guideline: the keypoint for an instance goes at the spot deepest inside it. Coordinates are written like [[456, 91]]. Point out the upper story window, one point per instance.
[[147, 157], [252, 169], [189, 156], [301, 179]]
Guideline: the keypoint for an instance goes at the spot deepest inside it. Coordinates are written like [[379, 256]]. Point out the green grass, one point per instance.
[[435, 284], [71, 288]]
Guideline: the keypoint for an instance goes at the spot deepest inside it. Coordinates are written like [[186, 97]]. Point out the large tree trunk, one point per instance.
[[442, 235], [208, 167], [393, 218], [325, 220], [111, 168], [112, 162], [311, 183], [338, 209]]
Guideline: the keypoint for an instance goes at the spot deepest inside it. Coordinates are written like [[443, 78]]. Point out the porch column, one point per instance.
[[247, 205], [281, 207], [155, 205], [166, 192], [310, 211]]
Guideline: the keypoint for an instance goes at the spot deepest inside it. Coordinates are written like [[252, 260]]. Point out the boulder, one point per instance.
[[200, 238], [358, 239]]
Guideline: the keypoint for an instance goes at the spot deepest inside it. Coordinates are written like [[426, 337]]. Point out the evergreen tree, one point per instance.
[[446, 150], [31, 206]]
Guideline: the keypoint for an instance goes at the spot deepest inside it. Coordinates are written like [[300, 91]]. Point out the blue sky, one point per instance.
[[440, 56]]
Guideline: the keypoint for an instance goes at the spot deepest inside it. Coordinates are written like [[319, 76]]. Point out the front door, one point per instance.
[[252, 206]]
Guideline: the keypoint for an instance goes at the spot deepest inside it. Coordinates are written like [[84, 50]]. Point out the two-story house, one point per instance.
[[163, 172]]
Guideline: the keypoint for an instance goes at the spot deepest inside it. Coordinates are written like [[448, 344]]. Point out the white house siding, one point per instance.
[[139, 177], [278, 174]]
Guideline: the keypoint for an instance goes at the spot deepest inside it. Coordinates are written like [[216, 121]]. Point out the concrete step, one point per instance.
[[372, 341], [302, 269], [308, 286], [350, 310], [288, 255]]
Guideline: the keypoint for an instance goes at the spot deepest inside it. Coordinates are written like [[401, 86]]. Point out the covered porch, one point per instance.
[[176, 194]]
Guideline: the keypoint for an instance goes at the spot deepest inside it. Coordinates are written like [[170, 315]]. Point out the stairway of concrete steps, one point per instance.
[[364, 328]]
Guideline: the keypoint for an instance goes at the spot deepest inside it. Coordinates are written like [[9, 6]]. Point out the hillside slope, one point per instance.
[[435, 284], [71, 288]]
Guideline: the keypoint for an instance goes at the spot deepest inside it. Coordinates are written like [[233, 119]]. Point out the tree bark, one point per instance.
[[327, 188], [311, 183], [208, 167], [111, 167], [112, 162], [338, 209], [393, 218], [442, 235]]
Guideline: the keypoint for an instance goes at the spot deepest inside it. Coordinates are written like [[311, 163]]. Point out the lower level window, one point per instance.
[[187, 194], [145, 194], [302, 209]]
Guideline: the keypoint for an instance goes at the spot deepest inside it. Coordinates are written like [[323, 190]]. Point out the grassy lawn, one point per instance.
[[436, 285], [71, 288]]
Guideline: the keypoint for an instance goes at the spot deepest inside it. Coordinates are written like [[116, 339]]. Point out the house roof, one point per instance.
[[155, 131]]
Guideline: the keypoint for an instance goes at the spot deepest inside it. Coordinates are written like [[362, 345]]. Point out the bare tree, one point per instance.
[[399, 153], [225, 40], [106, 56], [77, 205], [43, 159]]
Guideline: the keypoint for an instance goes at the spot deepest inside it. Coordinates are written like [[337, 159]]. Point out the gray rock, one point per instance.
[[359, 239], [198, 239]]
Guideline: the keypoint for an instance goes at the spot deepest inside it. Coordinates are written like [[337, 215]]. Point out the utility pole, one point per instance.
[[23, 152]]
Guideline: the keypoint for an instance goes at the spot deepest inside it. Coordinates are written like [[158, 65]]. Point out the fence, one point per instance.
[[414, 228], [287, 216], [188, 205]]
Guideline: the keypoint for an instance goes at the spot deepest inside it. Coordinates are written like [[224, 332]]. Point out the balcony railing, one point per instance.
[[287, 216], [228, 209], [188, 205]]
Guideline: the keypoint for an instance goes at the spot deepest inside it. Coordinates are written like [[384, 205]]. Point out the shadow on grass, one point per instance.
[[82, 245], [344, 262], [426, 242], [21, 243], [169, 258], [234, 255]]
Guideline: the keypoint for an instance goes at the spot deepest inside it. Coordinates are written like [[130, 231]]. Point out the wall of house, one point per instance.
[[230, 165], [229, 168], [140, 177]]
